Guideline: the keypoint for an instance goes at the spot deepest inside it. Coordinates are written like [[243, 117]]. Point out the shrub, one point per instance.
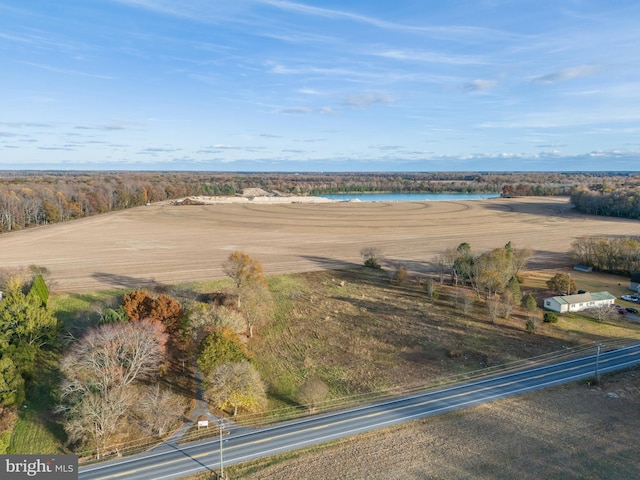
[[532, 325], [371, 257], [400, 275], [529, 303], [550, 317], [372, 263]]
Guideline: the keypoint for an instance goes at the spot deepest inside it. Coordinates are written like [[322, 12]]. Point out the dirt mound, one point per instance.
[[188, 201], [255, 192]]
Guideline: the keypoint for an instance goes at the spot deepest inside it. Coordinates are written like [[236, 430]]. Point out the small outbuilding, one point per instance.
[[576, 303], [634, 283]]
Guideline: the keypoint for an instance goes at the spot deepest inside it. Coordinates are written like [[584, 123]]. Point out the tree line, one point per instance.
[[620, 255], [30, 199], [620, 201]]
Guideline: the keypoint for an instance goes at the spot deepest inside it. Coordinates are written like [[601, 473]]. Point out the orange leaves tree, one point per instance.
[[243, 269], [254, 298], [138, 305]]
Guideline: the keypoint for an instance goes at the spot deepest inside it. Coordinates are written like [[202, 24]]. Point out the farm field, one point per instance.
[[167, 244], [567, 432], [364, 321]]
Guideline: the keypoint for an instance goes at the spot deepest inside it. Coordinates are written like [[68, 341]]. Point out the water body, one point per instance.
[[409, 197]]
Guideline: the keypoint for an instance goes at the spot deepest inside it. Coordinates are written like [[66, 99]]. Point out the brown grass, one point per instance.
[[567, 432]]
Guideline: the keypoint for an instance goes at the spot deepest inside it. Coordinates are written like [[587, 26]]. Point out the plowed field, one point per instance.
[[172, 244]]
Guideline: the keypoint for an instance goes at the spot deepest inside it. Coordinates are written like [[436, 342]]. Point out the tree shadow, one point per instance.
[[330, 263], [125, 281]]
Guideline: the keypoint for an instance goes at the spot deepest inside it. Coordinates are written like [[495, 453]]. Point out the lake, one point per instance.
[[409, 197]]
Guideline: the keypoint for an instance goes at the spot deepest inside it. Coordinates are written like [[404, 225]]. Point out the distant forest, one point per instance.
[[36, 198]]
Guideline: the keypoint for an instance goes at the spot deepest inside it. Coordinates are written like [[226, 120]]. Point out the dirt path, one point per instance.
[[173, 244]]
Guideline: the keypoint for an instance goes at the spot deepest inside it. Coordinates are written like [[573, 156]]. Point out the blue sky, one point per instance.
[[277, 85]]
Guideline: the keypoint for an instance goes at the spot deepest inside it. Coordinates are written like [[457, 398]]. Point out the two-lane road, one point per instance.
[[243, 446]]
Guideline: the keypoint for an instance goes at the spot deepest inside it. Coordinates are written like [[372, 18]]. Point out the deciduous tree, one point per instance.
[[99, 370], [312, 393], [158, 409], [243, 269], [234, 386], [220, 347], [562, 283], [257, 306]]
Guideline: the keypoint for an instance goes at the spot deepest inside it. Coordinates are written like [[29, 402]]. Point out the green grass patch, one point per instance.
[[37, 431]]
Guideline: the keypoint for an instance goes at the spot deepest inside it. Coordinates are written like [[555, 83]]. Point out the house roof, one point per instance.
[[584, 298]]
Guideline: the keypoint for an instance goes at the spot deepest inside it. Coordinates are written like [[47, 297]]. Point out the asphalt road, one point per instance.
[[244, 445]]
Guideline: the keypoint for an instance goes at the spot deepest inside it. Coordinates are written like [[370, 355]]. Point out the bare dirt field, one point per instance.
[[171, 244]]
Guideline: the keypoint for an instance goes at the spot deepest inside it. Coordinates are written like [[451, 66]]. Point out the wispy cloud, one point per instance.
[[479, 85], [157, 150], [111, 127], [368, 98], [27, 124], [66, 71], [454, 32], [566, 74], [296, 110], [247, 11], [424, 56]]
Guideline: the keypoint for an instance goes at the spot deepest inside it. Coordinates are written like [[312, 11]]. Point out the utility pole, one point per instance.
[[220, 425], [597, 364]]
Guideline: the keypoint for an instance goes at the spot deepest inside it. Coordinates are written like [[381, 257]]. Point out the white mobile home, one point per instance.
[[575, 303]]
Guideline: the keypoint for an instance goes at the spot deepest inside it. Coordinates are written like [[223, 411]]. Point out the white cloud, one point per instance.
[[479, 85], [567, 74], [431, 57], [368, 98], [297, 110]]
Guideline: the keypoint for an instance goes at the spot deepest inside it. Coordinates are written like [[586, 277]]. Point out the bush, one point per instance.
[[372, 263], [371, 257], [532, 325], [400, 275], [550, 317]]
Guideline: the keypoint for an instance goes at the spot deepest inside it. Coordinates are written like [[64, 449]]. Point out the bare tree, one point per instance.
[[603, 312], [494, 306], [466, 299], [159, 409], [507, 304], [257, 306], [313, 392], [442, 265], [99, 370], [98, 418]]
